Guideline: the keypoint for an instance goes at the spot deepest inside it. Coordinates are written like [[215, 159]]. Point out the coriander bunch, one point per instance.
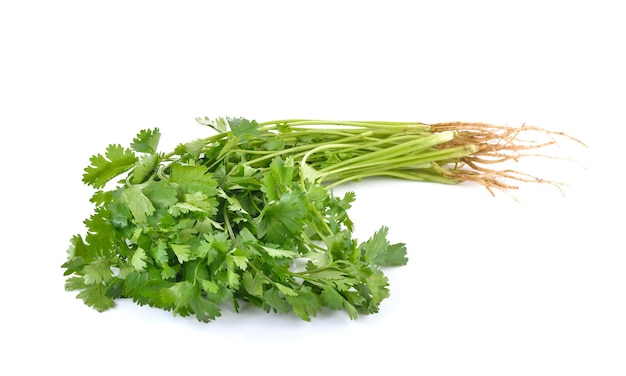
[[248, 214]]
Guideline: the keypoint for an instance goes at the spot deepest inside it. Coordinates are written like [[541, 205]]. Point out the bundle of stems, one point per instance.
[[336, 152]]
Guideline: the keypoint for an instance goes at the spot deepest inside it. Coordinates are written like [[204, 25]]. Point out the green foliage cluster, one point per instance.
[[242, 216]]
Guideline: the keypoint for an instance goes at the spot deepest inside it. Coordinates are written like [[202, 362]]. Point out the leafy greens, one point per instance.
[[201, 226]]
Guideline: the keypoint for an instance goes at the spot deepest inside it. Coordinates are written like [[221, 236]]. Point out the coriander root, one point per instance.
[[496, 145]]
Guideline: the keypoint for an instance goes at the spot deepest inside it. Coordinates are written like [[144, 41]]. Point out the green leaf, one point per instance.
[[328, 274], [278, 177], [246, 237], [378, 251], [233, 279], [240, 261], [95, 296], [74, 283], [77, 247], [219, 124], [305, 304], [181, 208], [144, 167], [146, 141], [275, 301], [233, 203], [161, 194], [253, 283], [396, 255], [120, 213], [274, 143], [352, 311], [195, 147], [73, 265], [377, 288], [116, 161], [140, 206], [287, 291], [177, 295], [101, 235], [138, 260], [182, 252], [274, 252], [317, 258], [114, 289], [332, 298], [342, 247], [100, 197], [194, 179], [283, 218], [204, 309], [243, 127], [159, 252], [338, 212], [168, 272], [282, 170], [201, 201], [210, 286], [134, 284], [220, 241], [97, 272], [347, 200], [310, 174]]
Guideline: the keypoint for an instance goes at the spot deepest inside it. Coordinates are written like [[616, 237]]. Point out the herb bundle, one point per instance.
[[248, 214]]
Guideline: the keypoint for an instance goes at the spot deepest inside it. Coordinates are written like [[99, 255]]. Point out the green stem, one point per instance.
[[420, 161], [296, 151], [404, 175], [412, 146]]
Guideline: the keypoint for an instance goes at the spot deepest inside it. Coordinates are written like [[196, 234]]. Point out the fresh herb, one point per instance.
[[248, 214]]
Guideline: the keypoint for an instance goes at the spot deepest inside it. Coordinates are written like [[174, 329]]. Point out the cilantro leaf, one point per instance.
[[161, 194], [253, 283], [97, 272], [181, 208], [204, 309], [96, 296], [144, 167], [159, 252], [193, 148], [194, 179], [116, 161], [243, 127], [138, 260], [139, 205], [182, 252], [378, 250], [275, 301], [101, 235], [177, 295], [75, 283], [332, 298], [220, 124], [375, 290], [283, 217], [305, 303], [278, 178], [77, 248], [146, 141], [273, 252]]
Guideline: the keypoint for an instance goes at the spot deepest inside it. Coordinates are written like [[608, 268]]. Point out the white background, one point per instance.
[[494, 286]]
